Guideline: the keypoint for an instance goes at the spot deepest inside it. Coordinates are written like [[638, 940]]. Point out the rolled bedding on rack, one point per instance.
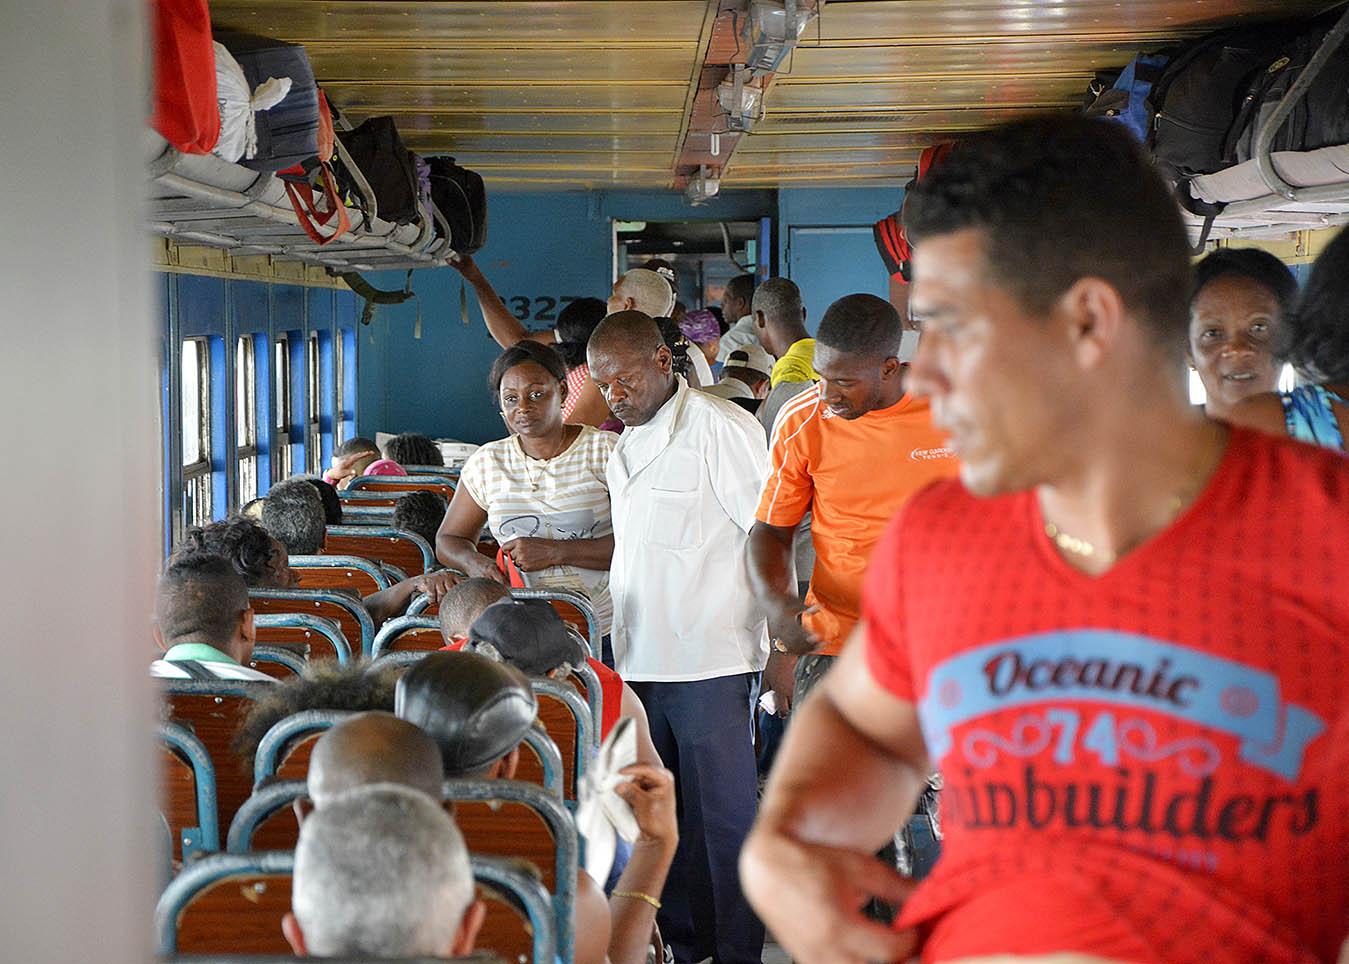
[[1242, 182]]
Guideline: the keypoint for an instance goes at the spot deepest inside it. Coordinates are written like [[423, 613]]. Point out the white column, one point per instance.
[[79, 486]]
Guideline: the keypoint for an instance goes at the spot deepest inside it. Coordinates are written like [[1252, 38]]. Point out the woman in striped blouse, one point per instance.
[[542, 491]]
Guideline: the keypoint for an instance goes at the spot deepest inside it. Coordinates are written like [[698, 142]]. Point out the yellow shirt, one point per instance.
[[796, 365]]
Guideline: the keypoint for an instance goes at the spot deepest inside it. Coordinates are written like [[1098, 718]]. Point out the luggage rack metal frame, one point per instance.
[[202, 199]]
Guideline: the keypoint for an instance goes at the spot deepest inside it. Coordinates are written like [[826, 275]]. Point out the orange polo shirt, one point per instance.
[[852, 475]]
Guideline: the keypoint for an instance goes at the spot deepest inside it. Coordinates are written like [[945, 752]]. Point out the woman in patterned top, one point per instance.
[[1315, 340], [542, 491]]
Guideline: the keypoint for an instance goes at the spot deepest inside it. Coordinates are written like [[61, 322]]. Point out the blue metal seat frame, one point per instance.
[[560, 906], [373, 569], [284, 732], [205, 836], [389, 532], [321, 625], [344, 600], [397, 625]]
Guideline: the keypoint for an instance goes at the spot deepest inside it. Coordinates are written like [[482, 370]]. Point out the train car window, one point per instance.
[[313, 443], [345, 363], [246, 417], [196, 432], [282, 457]]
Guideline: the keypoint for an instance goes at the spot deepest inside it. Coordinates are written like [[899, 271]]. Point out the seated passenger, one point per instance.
[[530, 635], [413, 448], [478, 711], [372, 748], [350, 459], [292, 513], [325, 685], [744, 378], [421, 514], [543, 491], [464, 603], [332, 504], [1241, 296], [203, 621], [257, 557], [1315, 341], [382, 871]]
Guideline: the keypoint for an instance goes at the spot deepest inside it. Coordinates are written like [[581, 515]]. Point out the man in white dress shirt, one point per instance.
[[684, 482]]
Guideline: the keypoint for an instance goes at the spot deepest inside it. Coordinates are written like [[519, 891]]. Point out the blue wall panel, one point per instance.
[[825, 244], [541, 248]]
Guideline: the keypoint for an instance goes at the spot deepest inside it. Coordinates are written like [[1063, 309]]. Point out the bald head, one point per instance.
[[642, 290], [373, 748]]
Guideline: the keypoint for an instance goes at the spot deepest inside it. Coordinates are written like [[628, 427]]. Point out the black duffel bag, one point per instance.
[[461, 198], [384, 164]]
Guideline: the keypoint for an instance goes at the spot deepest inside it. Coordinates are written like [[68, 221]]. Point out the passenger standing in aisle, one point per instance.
[[1121, 639], [850, 450], [683, 481]]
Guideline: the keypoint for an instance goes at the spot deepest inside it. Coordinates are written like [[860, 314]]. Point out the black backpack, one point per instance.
[[1199, 95], [1320, 118], [382, 162], [461, 198]]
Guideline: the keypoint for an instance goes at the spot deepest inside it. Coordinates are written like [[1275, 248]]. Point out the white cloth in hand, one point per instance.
[[602, 816]]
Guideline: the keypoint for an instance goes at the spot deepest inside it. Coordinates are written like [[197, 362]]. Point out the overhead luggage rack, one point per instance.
[[1279, 193], [203, 200]]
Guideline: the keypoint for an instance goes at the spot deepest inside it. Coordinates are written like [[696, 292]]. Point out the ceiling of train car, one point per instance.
[[601, 93]]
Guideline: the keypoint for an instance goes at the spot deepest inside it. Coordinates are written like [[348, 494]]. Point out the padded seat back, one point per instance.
[[213, 711], [406, 550], [354, 622], [350, 573]]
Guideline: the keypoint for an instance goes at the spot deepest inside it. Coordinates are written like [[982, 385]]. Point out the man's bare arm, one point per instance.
[[847, 776]]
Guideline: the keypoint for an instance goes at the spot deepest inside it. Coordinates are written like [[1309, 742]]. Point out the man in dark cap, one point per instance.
[[476, 709], [530, 635]]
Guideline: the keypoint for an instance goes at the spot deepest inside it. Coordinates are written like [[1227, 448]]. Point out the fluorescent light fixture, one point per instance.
[[702, 187], [771, 30], [742, 102]]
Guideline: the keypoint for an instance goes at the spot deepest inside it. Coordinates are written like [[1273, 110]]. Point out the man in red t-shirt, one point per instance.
[[1121, 639], [850, 449]]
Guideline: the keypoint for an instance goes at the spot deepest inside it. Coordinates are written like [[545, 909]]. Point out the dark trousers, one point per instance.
[[703, 733]]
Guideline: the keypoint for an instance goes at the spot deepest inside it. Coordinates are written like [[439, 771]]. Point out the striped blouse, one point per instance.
[[565, 497]]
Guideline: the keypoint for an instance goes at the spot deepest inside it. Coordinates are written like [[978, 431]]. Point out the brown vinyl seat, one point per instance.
[[212, 711], [351, 616], [232, 904], [406, 550]]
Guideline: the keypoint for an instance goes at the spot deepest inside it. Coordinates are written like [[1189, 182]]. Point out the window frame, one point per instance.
[[197, 481], [282, 454], [247, 456]]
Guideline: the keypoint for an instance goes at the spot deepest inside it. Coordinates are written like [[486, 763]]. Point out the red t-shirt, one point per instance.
[[1150, 765]]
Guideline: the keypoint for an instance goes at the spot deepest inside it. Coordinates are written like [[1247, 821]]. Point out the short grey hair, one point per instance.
[[292, 514], [382, 871], [651, 294], [779, 299]]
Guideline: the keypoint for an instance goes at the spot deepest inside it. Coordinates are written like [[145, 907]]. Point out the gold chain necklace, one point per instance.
[[1081, 547]]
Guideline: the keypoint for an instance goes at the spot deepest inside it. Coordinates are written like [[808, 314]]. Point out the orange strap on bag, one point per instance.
[[301, 193]]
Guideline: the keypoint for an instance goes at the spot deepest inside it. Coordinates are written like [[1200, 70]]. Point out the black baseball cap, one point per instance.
[[529, 634]]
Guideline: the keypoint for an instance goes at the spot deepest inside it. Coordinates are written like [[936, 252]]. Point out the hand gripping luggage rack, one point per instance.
[[203, 200]]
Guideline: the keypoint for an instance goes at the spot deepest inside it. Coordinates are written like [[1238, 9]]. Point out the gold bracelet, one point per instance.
[[637, 895]]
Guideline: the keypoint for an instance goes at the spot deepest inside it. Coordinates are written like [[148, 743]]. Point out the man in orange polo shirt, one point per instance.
[[850, 450]]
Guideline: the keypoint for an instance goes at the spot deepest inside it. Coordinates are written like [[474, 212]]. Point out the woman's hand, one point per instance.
[[531, 555]]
